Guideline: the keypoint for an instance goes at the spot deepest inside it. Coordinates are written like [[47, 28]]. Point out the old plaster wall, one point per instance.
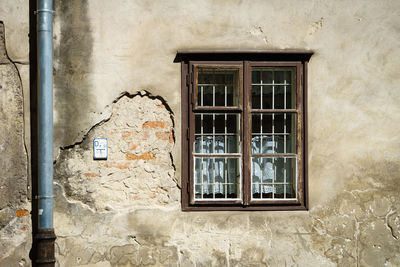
[[115, 78], [15, 222], [126, 211]]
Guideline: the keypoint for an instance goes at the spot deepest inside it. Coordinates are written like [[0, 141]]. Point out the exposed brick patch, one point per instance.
[[126, 135], [161, 106], [144, 156], [91, 175], [118, 165], [22, 213], [122, 166], [155, 124], [163, 135]]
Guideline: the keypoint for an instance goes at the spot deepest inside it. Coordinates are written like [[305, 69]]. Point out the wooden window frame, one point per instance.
[[243, 61]]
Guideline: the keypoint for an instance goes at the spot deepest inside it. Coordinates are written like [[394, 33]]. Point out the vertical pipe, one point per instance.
[[45, 34], [45, 237]]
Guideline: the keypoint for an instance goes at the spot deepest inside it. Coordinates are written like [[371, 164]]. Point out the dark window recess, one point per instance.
[[244, 130]]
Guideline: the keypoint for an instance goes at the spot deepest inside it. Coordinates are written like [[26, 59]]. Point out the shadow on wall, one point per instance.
[[72, 65]]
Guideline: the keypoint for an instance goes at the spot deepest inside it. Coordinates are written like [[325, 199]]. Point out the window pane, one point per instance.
[[232, 123], [217, 133], [217, 178], [218, 88], [273, 178], [267, 97], [279, 99], [256, 97], [220, 95], [219, 123], [219, 144], [272, 88], [273, 133], [207, 96], [207, 123]]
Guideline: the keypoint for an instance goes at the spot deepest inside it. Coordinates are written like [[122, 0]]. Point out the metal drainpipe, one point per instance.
[[45, 236]]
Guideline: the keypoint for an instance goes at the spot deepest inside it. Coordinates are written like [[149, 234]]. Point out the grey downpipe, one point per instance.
[[45, 236]]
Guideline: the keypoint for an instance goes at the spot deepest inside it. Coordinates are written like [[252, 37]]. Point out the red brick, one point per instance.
[[144, 156], [155, 124], [22, 213]]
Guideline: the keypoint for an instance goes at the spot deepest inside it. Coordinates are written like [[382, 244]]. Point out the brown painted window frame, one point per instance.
[[244, 61]]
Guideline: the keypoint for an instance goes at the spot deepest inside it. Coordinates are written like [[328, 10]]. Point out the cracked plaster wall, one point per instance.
[[126, 211], [15, 224]]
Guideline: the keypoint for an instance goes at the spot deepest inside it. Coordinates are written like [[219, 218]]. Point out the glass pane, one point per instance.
[[229, 95], [232, 123], [197, 123], [233, 191], [198, 191], [219, 123], [278, 77], [256, 144], [197, 171], [219, 144], [273, 133], [290, 98], [233, 145], [267, 144], [256, 124], [290, 172], [217, 178], [267, 168], [218, 87], [272, 88], [256, 77], [279, 99], [267, 77], [267, 97], [198, 144], [220, 95], [207, 144], [217, 133], [273, 177], [279, 192], [233, 170], [256, 97], [207, 97]]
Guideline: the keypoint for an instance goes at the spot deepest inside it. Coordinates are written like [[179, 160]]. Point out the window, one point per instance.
[[244, 122]]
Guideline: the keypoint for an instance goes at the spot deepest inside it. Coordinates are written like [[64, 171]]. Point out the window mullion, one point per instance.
[[246, 128]]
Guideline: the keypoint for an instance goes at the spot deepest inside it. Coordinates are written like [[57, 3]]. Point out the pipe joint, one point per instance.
[[43, 10], [44, 197]]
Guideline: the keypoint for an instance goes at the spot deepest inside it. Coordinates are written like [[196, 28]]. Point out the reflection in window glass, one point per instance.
[[273, 177], [217, 178], [273, 133]]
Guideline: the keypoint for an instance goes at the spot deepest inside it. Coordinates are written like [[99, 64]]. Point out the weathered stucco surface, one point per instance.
[[114, 77], [130, 203], [15, 226]]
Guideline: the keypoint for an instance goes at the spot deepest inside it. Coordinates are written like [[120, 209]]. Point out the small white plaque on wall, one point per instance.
[[100, 148]]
